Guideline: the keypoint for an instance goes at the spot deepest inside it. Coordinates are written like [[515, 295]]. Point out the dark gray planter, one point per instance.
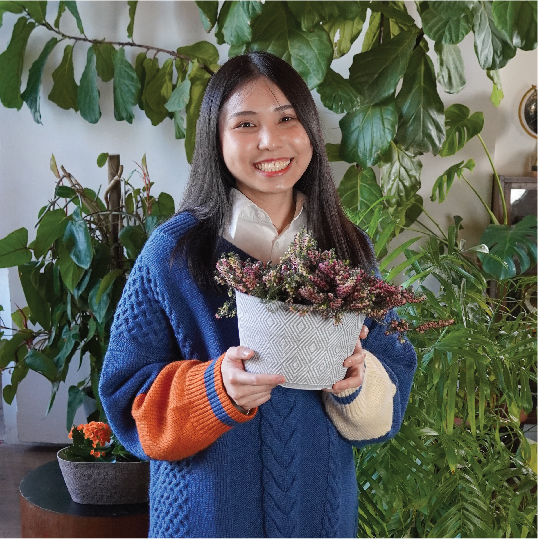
[[106, 483]]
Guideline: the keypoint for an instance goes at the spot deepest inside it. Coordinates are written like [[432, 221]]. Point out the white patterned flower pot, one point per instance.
[[106, 483], [308, 350]]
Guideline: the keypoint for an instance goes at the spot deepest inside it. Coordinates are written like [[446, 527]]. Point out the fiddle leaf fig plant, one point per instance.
[[72, 275]]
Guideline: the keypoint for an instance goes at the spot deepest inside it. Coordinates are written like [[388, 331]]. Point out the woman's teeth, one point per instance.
[[273, 166]]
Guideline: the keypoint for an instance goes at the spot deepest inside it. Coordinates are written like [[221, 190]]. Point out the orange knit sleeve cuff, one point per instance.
[[185, 410]]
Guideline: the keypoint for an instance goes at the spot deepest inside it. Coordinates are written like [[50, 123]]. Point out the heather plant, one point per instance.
[[308, 280]]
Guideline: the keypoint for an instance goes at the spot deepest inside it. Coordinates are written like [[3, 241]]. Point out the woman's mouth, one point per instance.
[[277, 165]]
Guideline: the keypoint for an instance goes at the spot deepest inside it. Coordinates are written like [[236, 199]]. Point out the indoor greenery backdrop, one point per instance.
[[460, 465]]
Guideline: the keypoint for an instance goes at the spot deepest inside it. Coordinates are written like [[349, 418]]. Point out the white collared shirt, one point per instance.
[[250, 228]]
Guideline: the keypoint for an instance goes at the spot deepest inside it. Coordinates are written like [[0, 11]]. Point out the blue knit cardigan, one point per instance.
[[285, 473]]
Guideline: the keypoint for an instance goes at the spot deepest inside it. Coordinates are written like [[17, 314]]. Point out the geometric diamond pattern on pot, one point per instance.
[[308, 350]]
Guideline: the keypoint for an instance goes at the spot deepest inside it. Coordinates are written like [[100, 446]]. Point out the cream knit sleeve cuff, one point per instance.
[[364, 413]]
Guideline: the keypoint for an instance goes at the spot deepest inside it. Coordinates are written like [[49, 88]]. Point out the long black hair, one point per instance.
[[207, 195]]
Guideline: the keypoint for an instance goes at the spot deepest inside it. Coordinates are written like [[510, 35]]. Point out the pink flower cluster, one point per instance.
[[313, 281]]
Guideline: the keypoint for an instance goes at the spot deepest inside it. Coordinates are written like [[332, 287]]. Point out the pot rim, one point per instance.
[[60, 456]]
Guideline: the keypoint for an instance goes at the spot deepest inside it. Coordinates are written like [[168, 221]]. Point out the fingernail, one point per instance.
[[245, 353]]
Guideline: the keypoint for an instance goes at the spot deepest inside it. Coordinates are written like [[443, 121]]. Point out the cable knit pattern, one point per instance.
[[365, 413], [286, 471]]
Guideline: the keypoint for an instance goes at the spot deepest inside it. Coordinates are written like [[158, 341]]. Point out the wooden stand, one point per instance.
[[47, 510]]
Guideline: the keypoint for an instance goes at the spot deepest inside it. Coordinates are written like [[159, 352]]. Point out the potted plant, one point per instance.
[[72, 276], [98, 470]]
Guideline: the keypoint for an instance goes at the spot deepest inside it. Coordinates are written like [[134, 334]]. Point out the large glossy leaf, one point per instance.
[[359, 192], [311, 14], [64, 89], [31, 95], [518, 22], [374, 74], [75, 399], [208, 14], [14, 250], [233, 24], [510, 243], [343, 32], [126, 87], [461, 127], [309, 53], [492, 48], [395, 11], [39, 362], [11, 64], [421, 111], [451, 68], [447, 22], [72, 7], [372, 35], [88, 94], [36, 10], [158, 92], [149, 70], [367, 132], [104, 60], [9, 7], [133, 239], [51, 227], [180, 96], [99, 307], [400, 175], [77, 240], [202, 50], [199, 80], [443, 183], [336, 93]]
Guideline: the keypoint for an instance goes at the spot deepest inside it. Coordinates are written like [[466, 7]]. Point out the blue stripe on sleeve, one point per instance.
[[348, 399], [213, 397]]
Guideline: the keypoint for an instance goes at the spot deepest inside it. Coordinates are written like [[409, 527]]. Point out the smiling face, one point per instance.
[[264, 145]]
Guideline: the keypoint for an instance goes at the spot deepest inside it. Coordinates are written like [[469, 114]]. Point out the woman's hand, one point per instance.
[[356, 367], [246, 390]]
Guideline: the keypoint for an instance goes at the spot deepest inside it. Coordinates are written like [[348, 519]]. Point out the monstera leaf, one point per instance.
[[507, 244]]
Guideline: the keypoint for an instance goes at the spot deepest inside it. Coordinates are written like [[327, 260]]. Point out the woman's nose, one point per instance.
[[269, 138]]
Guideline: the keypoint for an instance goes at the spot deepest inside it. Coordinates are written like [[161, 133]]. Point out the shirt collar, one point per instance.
[[239, 202]]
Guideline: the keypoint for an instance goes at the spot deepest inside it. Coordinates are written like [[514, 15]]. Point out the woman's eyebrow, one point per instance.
[[253, 113]]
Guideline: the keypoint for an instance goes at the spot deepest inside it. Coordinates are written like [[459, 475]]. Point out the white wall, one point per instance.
[[25, 149]]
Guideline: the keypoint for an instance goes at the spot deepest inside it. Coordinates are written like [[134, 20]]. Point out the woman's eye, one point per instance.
[[245, 124], [287, 118]]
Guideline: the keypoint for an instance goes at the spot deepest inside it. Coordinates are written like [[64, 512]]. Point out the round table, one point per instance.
[[47, 510]]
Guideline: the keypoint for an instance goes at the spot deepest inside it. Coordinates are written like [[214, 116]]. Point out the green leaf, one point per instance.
[[158, 92], [508, 243], [51, 227], [492, 48], [397, 12], [126, 87], [64, 191], [450, 68], [14, 250], [133, 238], [309, 53], [20, 317], [75, 398], [11, 64], [497, 90], [70, 336], [204, 51], [9, 7], [164, 205], [333, 152], [99, 307], [132, 11], [102, 159], [360, 193], [180, 96], [233, 24], [61, 9], [36, 10], [374, 74], [518, 22], [88, 94], [72, 7], [461, 127], [54, 167], [106, 284], [443, 183], [372, 35], [208, 14], [39, 362], [400, 172], [10, 349], [31, 96], [77, 240], [447, 22], [343, 32], [104, 60], [421, 111], [64, 89], [336, 93], [367, 132], [199, 78], [179, 125]]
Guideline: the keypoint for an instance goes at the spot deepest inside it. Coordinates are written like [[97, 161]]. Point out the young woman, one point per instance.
[[234, 454]]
